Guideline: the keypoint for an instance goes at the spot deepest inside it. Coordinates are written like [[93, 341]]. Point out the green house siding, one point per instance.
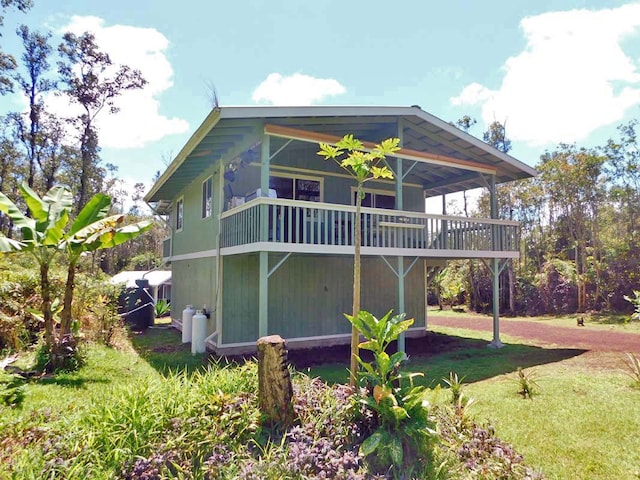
[[309, 294], [240, 298], [198, 234], [194, 283]]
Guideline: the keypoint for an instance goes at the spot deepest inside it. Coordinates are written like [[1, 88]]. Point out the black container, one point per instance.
[[136, 305]]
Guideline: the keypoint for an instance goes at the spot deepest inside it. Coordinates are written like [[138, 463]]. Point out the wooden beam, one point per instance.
[[315, 137]]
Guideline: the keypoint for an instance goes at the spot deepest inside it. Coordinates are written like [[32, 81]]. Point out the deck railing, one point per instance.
[[296, 222]]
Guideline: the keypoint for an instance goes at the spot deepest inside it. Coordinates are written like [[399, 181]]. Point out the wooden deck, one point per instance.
[[295, 226]]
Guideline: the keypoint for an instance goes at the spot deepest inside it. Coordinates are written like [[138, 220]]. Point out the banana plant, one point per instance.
[[44, 235], [93, 230]]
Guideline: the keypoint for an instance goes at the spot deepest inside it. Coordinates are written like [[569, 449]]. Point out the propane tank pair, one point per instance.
[[194, 329]]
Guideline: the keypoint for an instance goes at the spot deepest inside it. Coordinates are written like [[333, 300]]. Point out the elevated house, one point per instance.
[[262, 227]]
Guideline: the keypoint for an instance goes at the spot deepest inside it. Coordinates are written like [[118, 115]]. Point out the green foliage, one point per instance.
[[402, 441], [635, 301], [527, 383], [45, 234], [362, 166], [633, 369], [12, 391], [161, 308], [455, 386]]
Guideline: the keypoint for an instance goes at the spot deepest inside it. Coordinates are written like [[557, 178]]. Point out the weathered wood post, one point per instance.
[[275, 392]]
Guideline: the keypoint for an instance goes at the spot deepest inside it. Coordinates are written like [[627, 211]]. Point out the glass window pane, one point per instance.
[[385, 201], [308, 190], [283, 186]]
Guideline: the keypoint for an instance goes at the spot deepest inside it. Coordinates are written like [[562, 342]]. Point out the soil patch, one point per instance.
[[575, 337]]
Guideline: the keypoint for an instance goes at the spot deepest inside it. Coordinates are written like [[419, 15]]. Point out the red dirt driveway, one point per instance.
[[577, 337]]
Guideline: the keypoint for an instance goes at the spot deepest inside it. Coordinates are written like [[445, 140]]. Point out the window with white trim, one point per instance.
[[376, 198], [207, 196], [179, 214], [297, 187]]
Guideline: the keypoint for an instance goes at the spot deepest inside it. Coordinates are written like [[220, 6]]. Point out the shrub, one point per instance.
[[403, 438], [527, 383]]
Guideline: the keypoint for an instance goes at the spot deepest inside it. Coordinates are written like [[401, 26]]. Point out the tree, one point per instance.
[[44, 236], [33, 84], [7, 62], [573, 181], [90, 80], [363, 167]]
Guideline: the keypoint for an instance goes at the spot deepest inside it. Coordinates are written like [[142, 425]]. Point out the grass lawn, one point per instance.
[[584, 422]]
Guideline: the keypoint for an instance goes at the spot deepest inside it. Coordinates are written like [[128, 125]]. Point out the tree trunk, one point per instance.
[[275, 392], [65, 325], [355, 334], [49, 327]]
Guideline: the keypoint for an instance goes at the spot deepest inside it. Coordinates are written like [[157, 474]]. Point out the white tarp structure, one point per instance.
[[159, 281]]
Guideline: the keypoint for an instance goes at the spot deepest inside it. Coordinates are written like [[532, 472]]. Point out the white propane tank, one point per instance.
[[199, 333], [187, 317]]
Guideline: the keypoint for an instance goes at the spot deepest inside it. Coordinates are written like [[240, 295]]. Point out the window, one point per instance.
[[207, 206], [376, 198], [179, 214], [295, 187]]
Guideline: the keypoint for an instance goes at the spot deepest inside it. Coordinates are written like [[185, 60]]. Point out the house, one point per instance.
[[262, 227], [159, 281]]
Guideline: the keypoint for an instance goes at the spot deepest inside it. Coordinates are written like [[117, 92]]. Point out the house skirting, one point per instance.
[[292, 343]]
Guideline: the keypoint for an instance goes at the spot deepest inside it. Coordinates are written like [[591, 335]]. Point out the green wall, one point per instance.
[[309, 294], [198, 234], [193, 282]]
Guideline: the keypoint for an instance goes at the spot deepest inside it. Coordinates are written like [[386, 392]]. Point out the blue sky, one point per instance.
[[562, 70]]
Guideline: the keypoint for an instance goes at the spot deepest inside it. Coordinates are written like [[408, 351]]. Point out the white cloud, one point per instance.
[[572, 77], [296, 89], [139, 121]]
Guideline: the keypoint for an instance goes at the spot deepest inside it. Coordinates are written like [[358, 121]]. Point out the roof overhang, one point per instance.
[[447, 159]]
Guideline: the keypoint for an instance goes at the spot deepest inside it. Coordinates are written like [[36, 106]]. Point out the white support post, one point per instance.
[[496, 343], [399, 206], [263, 282]]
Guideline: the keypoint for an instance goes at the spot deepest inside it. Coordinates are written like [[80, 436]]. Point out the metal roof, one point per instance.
[[230, 131]]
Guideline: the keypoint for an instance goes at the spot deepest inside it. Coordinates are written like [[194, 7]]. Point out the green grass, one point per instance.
[[582, 424], [596, 321]]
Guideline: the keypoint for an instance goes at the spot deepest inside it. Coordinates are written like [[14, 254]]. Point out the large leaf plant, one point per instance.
[[44, 235]]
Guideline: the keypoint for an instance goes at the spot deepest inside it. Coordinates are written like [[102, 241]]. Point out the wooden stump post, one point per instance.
[[274, 383]]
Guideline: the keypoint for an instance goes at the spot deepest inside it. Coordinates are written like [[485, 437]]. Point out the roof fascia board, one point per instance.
[[427, 117], [206, 126], [314, 137], [314, 111]]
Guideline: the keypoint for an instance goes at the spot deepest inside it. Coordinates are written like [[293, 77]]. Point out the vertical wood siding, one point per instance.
[[240, 298], [309, 294], [193, 283]]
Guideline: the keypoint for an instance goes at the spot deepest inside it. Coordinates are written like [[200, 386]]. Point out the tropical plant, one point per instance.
[[44, 237], [455, 385], [362, 166], [527, 383], [402, 440], [633, 369], [161, 308]]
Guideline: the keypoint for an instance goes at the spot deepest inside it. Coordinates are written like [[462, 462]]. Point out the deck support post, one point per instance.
[[263, 285], [400, 206], [496, 343]]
